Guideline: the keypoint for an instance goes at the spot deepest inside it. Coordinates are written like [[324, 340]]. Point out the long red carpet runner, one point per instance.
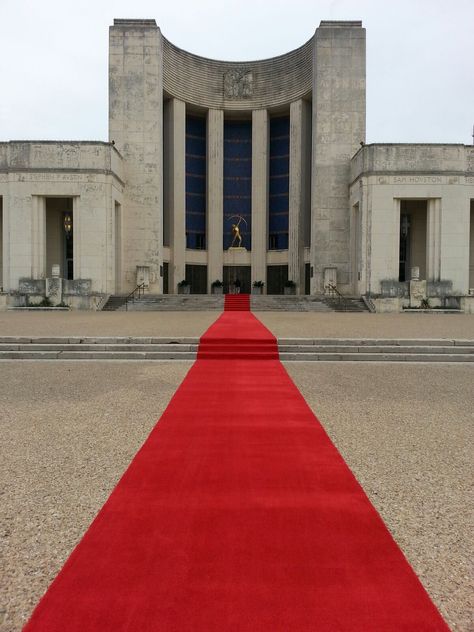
[[237, 514]]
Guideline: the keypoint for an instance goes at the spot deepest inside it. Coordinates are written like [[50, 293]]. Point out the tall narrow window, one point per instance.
[[237, 180], [279, 183], [195, 183]]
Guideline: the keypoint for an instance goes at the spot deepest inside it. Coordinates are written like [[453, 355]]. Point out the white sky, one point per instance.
[[420, 58]]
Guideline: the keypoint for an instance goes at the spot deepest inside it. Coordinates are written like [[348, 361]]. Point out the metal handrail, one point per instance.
[[140, 290], [334, 291]]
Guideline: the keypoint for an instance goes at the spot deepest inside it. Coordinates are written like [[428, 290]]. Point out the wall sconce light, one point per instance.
[[405, 225], [68, 224]]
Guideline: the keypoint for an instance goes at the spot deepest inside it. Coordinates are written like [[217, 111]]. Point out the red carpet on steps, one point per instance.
[[237, 514], [237, 302]]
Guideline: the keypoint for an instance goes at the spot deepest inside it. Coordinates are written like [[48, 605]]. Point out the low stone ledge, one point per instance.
[[431, 310], [38, 309]]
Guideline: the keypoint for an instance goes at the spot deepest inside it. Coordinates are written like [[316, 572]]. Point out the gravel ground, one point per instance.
[[82, 323], [283, 324], [69, 430], [347, 325], [407, 434]]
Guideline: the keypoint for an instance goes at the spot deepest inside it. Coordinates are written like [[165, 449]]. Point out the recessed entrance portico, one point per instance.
[[242, 273], [59, 236], [413, 223]]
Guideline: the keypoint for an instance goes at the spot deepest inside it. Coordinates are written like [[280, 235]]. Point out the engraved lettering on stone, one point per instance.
[[417, 179], [238, 84]]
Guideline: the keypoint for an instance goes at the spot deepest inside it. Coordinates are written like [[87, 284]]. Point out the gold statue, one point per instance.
[[236, 234], [237, 237]]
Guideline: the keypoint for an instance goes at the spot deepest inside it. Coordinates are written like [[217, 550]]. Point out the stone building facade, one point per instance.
[[198, 146]]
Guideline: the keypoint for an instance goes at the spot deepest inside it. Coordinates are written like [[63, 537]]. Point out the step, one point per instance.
[[202, 355], [186, 348], [375, 357], [97, 355], [363, 349]]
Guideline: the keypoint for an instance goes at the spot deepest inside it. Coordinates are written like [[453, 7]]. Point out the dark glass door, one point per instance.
[[231, 273]]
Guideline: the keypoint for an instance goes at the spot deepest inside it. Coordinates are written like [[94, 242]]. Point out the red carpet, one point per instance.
[[237, 302], [238, 514]]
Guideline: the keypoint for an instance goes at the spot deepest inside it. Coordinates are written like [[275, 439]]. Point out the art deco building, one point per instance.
[[198, 146]]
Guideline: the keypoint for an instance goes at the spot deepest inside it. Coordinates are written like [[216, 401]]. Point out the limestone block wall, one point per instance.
[[30, 172], [339, 106], [412, 159], [136, 127], [382, 176], [146, 70], [250, 85]]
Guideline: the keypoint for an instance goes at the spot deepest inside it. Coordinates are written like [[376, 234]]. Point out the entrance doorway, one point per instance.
[[413, 224], [243, 273], [471, 247], [118, 247], [277, 276], [1, 244], [196, 275], [59, 236]]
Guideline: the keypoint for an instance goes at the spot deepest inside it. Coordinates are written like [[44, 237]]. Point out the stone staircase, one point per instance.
[[98, 348], [113, 303], [210, 302], [375, 350], [167, 302], [237, 303], [346, 304], [290, 349], [290, 303]]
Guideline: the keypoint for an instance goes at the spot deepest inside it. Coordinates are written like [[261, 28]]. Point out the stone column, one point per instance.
[[338, 129], [299, 189], [433, 240], [136, 127], [6, 282], [176, 122], [455, 220], [76, 238], [260, 153], [215, 195], [38, 238]]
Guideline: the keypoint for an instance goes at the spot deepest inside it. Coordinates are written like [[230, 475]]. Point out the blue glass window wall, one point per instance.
[[237, 179], [195, 182], [279, 183]]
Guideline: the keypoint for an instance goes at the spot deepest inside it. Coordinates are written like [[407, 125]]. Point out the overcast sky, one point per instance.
[[420, 58]]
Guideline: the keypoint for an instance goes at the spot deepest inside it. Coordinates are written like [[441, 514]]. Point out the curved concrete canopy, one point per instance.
[[231, 85]]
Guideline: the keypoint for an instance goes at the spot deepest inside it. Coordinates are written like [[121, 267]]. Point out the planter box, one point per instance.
[[217, 290], [289, 290], [257, 290], [184, 289]]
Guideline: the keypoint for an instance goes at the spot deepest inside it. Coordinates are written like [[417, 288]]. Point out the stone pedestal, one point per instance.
[[417, 293], [143, 275], [237, 257], [329, 278], [54, 290]]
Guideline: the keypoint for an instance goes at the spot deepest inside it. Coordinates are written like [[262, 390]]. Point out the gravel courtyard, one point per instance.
[[69, 430]]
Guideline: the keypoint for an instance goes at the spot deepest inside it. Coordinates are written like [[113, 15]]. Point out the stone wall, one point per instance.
[[30, 172], [136, 126], [237, 85], [384, 175], [421, 163], [338, 128]]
